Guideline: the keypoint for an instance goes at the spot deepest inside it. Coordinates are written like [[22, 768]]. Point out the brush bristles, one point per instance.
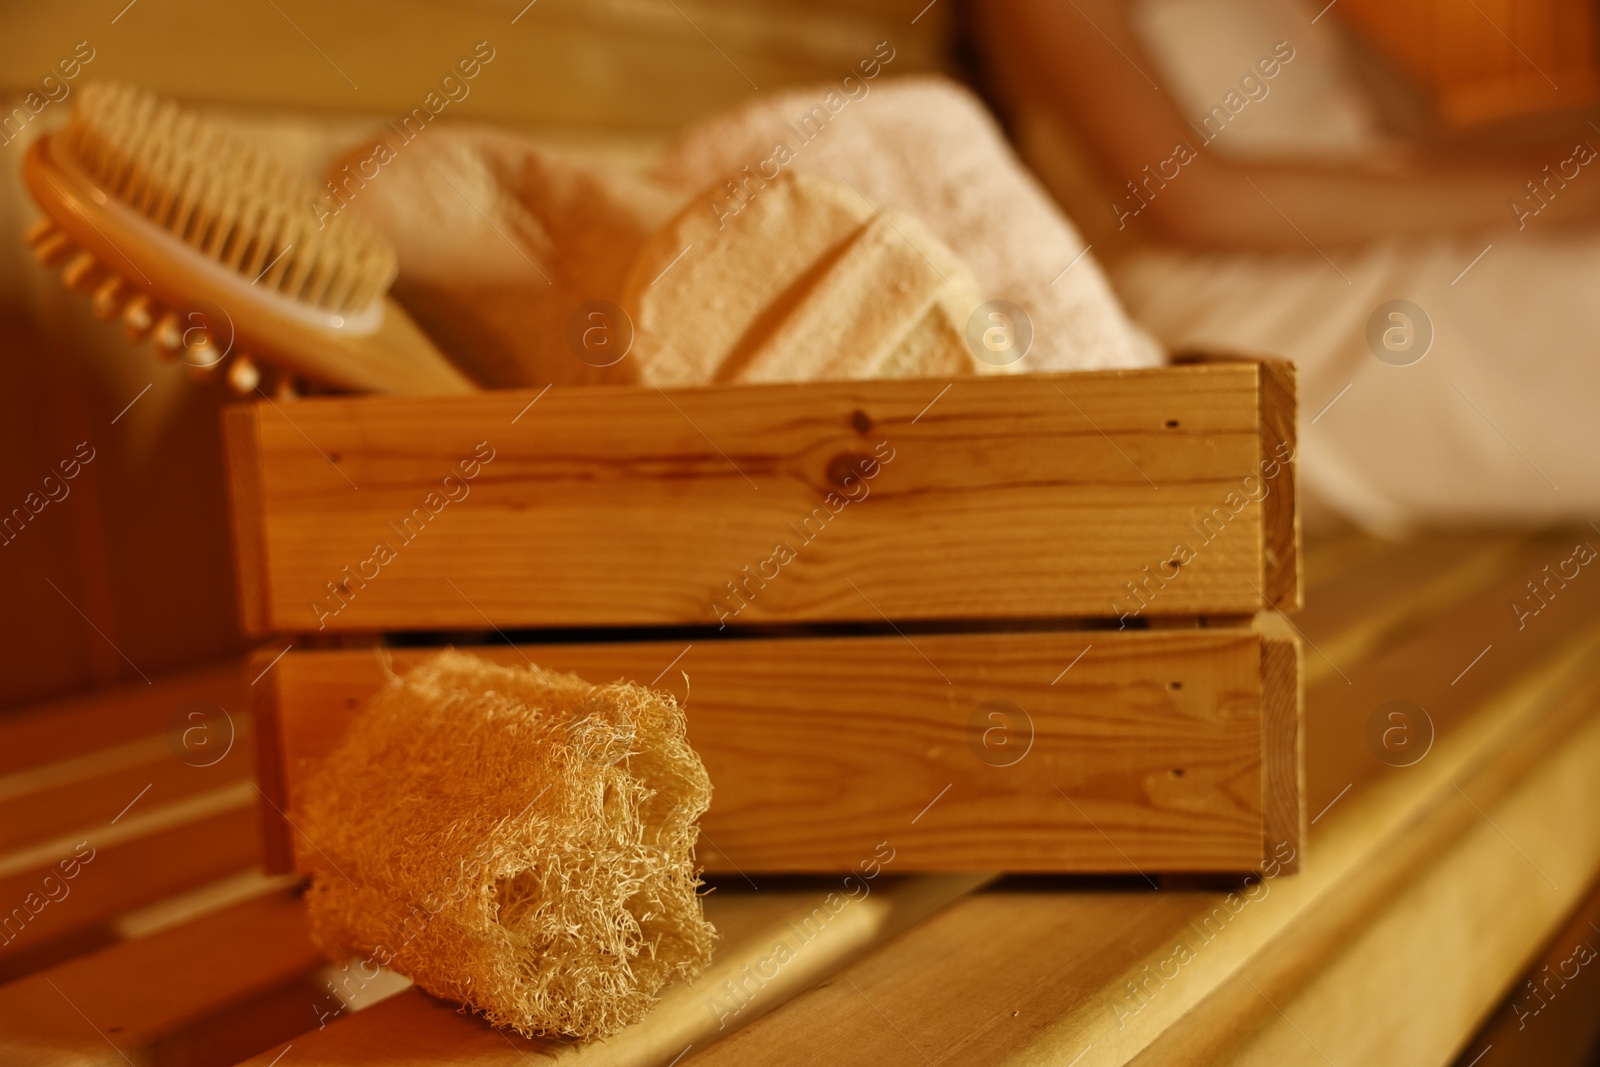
[[224, 199]]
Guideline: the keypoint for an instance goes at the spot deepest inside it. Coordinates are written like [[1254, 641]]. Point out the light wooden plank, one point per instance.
[[1044, 976], [563, 63], [210, 991], [743, 983], [1031, 496], [146, 858], [1549, 1016], [65, 729], [1283, 587], [1439, 936], [1145, 755], [51, 801]]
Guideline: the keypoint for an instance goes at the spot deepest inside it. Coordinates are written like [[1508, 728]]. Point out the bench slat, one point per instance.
[[823, 925], [134, 872], [1044, 974], [61, 797], [65, 729], [210, 991]]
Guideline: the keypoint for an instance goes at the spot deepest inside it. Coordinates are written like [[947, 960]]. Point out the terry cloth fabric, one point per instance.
[[1482, 412], [516, 840], [808, 282], [927, 148], [500, 240]]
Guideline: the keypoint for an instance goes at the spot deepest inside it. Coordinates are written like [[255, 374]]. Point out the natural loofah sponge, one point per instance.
[[515, 839]]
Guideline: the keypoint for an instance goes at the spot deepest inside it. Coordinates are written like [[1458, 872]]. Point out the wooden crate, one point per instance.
[[1006, 623]]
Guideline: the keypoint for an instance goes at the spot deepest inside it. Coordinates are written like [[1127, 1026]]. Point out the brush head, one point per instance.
[[218, 255], [224, 199]]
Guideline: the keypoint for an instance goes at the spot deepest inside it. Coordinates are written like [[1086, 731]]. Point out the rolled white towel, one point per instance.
[[926, 147]]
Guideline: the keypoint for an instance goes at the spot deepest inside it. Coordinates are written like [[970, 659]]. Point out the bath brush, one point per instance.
[[211, 250]]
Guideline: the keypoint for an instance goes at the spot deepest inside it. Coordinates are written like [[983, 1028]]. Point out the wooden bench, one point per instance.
[[1424, 892]]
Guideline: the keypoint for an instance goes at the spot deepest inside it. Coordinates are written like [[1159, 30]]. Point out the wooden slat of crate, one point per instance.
[[209, 991], [1044, 975], [1032, 496], [1146, 754]]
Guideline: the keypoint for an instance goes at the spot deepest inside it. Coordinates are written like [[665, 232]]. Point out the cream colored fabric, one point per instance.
[[501, 240], [805, 282], [927, 148], [1211, 54], [1496, 424]]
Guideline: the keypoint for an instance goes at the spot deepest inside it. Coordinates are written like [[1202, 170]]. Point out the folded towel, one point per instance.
[[925, 147], [508, 248], [501, 238], [807, 283]]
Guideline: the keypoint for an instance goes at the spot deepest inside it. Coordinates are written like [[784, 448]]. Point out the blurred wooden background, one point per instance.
[[1487, 60], [131, 573]]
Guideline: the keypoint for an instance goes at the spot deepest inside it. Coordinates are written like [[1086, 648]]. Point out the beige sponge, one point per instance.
[[805, 281], [515, 839]]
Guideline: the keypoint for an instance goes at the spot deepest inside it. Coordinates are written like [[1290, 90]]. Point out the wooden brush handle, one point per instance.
[[379, 350]]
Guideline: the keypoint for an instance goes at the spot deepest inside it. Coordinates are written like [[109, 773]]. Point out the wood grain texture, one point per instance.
[[1281, 515], [244, 516], [1055, 497], [142, 864], [1045, 975], [1146, 755], [209, 991], [741, 985], [1283, 748]]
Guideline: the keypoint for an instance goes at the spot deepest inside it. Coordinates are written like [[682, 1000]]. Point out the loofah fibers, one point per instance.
[[517, 840]]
